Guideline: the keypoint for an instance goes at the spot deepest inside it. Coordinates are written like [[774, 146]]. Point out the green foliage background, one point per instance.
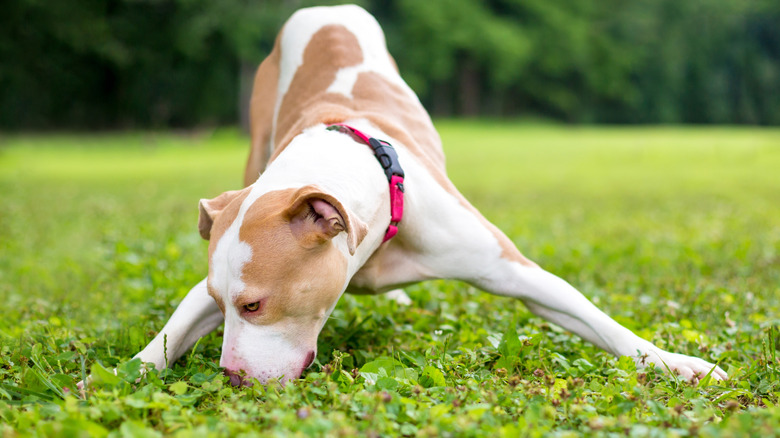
[[131, 63], [672, 231]]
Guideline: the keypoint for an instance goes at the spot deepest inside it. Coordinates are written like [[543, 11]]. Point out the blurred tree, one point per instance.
[[159, 63], [50, 68], [458, 47]]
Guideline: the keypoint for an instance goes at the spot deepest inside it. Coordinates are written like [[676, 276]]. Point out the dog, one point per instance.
[[353, 196]]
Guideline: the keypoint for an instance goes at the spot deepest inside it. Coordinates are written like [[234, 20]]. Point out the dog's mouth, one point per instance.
[[241, 377], [238, 378]]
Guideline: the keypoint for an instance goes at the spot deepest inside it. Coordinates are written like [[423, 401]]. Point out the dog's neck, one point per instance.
[[342, 167]]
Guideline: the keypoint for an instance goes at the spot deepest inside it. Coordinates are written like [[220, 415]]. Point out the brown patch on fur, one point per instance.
[[209, 209], [388, 106], [261, 114], [395, 113], [409, 123], [295, 280], [330, 49], [401, 116]]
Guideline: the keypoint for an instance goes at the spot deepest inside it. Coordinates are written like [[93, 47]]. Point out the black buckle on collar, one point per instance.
[[388, 158]]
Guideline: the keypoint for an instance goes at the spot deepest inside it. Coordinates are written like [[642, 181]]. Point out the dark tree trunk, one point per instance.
[[442, 99], [246, 78], [469, 88]]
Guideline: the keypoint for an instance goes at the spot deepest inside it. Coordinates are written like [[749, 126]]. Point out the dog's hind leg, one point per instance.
[[196, 316], [459, 243], [501, 271], [554, 299]]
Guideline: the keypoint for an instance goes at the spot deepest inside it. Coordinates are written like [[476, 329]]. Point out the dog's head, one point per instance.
[[277, 267]]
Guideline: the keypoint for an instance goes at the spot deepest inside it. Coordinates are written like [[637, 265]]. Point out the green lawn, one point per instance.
[[675, 232]]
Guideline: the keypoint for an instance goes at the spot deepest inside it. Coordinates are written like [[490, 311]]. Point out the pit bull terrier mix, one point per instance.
[[316, 223]]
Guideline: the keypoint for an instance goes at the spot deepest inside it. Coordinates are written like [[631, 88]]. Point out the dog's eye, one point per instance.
[[252, 307]]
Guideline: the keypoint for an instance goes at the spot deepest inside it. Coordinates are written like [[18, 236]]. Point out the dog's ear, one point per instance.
[[316, 217], [209, 209]]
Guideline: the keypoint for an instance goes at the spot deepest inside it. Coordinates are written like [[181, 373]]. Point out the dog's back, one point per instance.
[[331, 64]]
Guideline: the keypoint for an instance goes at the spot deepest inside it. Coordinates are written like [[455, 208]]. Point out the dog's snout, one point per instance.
[[240, 376]]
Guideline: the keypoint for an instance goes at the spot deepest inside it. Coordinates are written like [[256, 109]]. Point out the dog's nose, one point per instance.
[[237, 378]]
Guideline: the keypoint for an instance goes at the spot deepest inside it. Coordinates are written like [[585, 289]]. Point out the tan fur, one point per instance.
[[210, 208], [331, 48], [261, 113], [295, 277], [384, 103]]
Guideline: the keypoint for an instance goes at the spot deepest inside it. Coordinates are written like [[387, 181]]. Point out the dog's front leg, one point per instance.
[[196, 316]]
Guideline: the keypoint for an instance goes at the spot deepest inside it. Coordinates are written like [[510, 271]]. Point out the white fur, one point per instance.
[[228, 260]]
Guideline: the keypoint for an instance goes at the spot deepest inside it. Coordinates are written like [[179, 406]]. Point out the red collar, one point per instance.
[[388, 159]]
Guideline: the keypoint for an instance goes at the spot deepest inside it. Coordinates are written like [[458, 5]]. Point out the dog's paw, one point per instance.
[[690, 368]]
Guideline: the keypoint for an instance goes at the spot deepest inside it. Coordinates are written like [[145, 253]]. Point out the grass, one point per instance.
[[673, 231]]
